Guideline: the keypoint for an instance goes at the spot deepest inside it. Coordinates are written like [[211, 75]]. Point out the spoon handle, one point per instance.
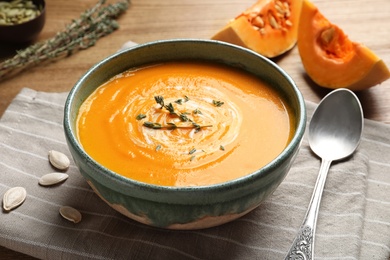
[[303, 245]]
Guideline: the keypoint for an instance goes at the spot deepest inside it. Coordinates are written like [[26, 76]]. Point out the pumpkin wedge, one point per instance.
[[269, 27], [331, 59]]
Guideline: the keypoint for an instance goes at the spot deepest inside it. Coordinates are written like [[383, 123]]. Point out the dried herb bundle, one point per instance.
[[82, 33]]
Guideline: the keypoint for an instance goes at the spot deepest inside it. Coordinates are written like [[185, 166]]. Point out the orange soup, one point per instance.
[[184, 124]]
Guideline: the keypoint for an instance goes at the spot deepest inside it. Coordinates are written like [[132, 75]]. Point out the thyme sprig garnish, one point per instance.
[[171, 109], [172, 126], [81, 34]]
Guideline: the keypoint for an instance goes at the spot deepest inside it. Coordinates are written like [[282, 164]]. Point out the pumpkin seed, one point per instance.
[[273, 22], [278, 3], [286, 9], [288, 23], [258, 22], [59, 160], [262, 31], [70, 214], [14, 197], [280, 9], [52, 178], [327, 35]]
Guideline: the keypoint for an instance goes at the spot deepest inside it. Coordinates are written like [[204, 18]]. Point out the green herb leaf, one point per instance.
[[159, 100], [171, 125], [170, 108], [197, 112], [179, 101], [152, 125], [184, 118], [140, 117], [193, 150], [218, 103], [148, 124]]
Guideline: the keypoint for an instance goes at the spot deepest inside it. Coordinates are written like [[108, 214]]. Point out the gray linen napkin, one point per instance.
[[354, 218]]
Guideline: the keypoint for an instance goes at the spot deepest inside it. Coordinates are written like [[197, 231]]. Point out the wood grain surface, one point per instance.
[[364, 21]]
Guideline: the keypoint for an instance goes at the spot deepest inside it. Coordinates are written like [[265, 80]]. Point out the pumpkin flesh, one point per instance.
[[269, 27], [331, 59]]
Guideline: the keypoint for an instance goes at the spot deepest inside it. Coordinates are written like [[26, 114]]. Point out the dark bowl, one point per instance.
[[27, 31]]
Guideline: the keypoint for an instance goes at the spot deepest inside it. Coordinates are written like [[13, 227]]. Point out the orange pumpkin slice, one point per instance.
[[331, 59], [269, 27]]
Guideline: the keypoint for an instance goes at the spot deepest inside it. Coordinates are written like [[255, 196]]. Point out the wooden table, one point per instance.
[[364, 21]]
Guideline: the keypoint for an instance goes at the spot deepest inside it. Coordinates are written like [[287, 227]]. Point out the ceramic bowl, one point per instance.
[[184, 207], [27, 31]]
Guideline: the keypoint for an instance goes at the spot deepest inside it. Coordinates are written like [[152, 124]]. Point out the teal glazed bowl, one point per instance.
[[184, 207]]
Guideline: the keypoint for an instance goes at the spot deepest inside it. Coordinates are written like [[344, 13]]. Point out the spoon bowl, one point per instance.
[[335, 131], [336, 126]]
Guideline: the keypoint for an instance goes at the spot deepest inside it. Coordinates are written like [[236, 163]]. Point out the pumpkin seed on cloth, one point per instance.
[[59, 160], [53, 178], [14, 197], [70, 214]]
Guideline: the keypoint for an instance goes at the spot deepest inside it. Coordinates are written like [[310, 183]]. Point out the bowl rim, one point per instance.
[[287, 151]]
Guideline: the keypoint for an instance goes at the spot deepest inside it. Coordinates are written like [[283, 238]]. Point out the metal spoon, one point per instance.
[[334, 133]]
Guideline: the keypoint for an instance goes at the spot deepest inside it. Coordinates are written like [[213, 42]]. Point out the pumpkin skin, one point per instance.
[[269, 27], [331, 59]]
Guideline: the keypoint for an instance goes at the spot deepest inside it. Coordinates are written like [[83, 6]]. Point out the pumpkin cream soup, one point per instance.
[[184, 124]]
